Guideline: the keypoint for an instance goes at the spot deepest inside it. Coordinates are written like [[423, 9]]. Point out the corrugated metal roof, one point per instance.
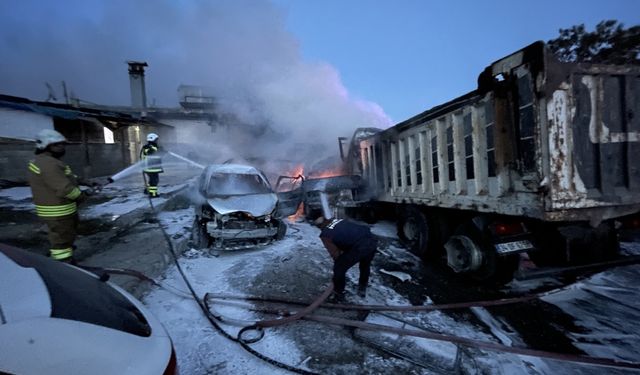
[[66, 111]]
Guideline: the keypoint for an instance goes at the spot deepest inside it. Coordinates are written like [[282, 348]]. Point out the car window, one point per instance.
[[237, 184]]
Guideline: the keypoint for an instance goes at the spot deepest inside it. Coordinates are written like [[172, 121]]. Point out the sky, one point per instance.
[[298, 65], [411, 55]]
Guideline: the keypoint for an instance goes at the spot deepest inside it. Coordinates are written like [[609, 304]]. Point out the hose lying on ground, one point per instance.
[[431, 335], [306, 315], [210, 317]]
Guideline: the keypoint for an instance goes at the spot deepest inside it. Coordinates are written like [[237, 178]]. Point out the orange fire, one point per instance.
[[327, 173], [298, 171]]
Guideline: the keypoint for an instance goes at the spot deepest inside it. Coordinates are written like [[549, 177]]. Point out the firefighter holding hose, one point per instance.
[[152, 165], [55, 193]]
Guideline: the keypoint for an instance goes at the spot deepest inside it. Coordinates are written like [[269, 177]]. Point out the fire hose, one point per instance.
[[213, 320], [306, 315], [289, 318]]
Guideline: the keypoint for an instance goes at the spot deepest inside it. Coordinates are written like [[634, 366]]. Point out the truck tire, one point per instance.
[[492, 267], [414, 232], [199, 234]]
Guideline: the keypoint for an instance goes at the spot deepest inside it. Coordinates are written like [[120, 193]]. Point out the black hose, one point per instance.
[[208, 315], [461, 341]]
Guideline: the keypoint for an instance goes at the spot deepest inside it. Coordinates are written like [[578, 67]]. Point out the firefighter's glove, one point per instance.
[[96, 187], [87, 191]]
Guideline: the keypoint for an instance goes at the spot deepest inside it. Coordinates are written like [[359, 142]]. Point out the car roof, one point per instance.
[[232, 168]]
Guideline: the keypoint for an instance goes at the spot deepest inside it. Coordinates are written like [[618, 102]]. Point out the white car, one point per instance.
[[237, 209], [59, 319]]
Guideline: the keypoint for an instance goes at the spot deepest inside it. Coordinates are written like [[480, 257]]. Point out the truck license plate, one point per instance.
[[509, 247]]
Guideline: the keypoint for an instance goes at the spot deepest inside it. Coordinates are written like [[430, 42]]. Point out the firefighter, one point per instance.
[[348, 243], [55, 193], [152, 165]]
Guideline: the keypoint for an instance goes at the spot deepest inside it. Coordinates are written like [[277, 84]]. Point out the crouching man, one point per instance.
[[348, 243]]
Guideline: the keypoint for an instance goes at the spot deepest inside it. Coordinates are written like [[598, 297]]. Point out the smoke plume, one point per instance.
[[240, 49]]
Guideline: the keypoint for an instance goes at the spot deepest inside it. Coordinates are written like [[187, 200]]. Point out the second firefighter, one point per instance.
[[151, 164]]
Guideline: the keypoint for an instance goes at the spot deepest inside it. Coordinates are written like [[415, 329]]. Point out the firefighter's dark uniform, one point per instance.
[[55, 194], [356, 244], [152, 167]]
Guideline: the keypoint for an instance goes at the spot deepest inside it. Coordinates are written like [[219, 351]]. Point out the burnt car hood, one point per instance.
[[255, 204]]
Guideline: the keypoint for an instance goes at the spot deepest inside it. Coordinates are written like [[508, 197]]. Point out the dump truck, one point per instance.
[[542, 159]]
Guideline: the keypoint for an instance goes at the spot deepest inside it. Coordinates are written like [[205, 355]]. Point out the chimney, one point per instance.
[[136, 80]]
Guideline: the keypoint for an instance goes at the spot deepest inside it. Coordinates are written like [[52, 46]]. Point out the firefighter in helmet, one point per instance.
[[55, 193], [152, 164]]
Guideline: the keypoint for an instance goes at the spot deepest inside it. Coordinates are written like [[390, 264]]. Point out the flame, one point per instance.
[[298, 171], [333, 172], [295, 172], [294, 180]]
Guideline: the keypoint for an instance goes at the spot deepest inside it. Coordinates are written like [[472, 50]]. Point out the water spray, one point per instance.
[[187, 160], [326, 211], [137, 167]]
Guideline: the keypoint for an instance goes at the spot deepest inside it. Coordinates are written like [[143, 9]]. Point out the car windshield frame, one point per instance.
[[228, 184]]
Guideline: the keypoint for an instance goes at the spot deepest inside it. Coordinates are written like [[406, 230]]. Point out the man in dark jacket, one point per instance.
[[348, 243]]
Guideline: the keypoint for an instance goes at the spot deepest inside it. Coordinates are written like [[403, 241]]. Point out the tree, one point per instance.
[[609, 43]]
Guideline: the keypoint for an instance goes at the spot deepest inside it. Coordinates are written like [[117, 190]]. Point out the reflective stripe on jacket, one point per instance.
[[151, 163], [53, 186], [61, 254]]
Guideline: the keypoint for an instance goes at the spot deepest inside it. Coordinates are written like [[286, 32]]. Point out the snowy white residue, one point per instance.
[[125, 202], [116, 207], [607, 307], [18, 198], [16, 193], [498, 328], [177, 221], [399, 275], [385, 229], [630, 248], [607, 297], [121, 200], [201, 348], [442, 350]]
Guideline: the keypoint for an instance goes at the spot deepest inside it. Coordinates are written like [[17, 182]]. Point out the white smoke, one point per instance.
[[240, 49]]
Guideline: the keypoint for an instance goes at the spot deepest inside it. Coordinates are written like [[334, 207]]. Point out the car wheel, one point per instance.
[[282, 230], [199, 234]]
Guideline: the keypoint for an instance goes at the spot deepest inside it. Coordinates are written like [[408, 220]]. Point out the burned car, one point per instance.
[[237, 209], [340, 191]]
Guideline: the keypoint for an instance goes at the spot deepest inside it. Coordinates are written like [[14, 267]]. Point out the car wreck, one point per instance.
[[237, 209], [341, 191]]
